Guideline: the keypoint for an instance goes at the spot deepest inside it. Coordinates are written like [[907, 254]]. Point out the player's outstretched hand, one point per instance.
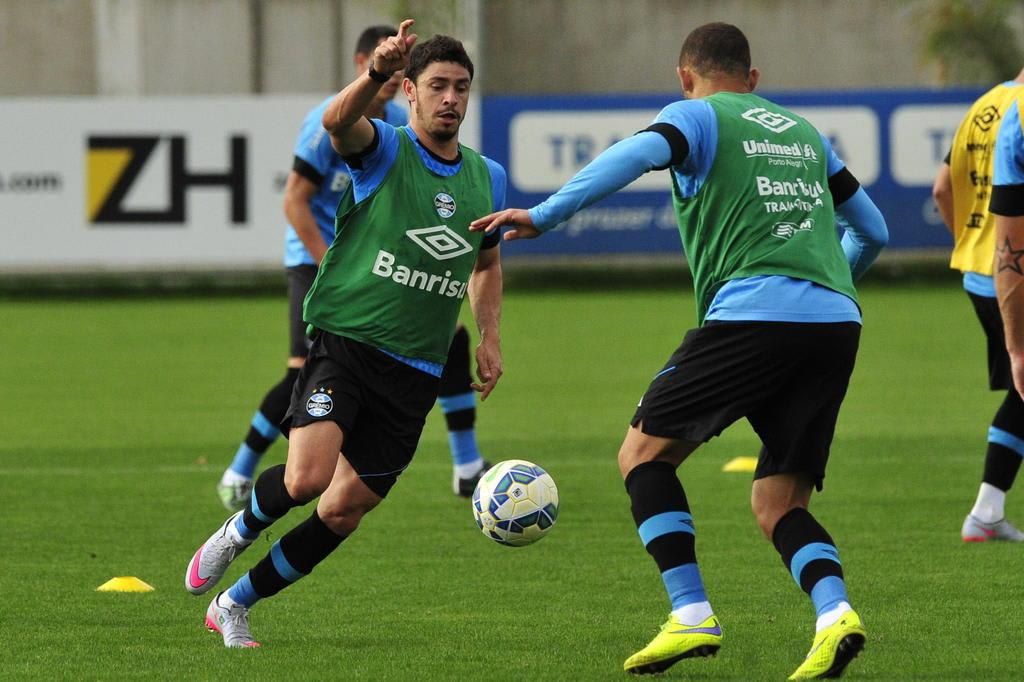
[[393, 53], [488, 367], [517, 219]]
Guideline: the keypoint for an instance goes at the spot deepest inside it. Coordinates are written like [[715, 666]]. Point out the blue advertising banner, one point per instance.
[[893, 141]]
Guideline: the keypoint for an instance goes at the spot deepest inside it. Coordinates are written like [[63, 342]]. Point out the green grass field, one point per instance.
[[118, 417]]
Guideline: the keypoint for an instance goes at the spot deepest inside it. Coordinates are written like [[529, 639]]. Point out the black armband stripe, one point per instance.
[[1007, 200], [842, 186], [676, 141], [356, 160], [306, 170], [491, 240]]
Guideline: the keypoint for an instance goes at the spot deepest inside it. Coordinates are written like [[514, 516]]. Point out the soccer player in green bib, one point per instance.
[[384, 307], [757, 193]]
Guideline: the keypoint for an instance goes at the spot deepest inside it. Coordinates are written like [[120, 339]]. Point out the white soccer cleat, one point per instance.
[[977, 531], [212, 559], [234, 491], [232, 622]]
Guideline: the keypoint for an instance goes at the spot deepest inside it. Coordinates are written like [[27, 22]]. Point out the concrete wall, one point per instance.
[[81, 47], [46, 48], [194, 47], [607, 45]]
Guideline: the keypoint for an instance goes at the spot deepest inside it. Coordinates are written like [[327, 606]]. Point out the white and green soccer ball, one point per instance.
[[515, 503]]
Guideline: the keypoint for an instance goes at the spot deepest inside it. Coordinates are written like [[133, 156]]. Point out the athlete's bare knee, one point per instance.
[[638, 448], [342, 516], [306, 483], [773, 497], [769, 512]]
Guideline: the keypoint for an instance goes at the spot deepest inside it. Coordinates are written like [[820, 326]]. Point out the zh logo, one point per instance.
[[769, 119], [986, 118], [113, 164], [787, 230], [440, 242]]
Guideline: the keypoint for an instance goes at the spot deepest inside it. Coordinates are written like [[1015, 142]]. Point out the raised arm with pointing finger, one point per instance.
[[344, 119]]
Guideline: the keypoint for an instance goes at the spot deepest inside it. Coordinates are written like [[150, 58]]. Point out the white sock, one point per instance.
[[694, 614], [831, 616], [988, 508], [225, 601], [231, 477], [470, 469]]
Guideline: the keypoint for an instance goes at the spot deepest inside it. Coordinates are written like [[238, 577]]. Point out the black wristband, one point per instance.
[[377, 76]]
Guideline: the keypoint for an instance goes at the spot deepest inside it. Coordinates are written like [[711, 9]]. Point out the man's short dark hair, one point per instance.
[[716, 49], [371, 37], [437, 49]]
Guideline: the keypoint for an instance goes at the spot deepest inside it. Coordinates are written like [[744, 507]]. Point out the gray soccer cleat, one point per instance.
[[234, 495], [232, 622], [976, 531], [212, 559]]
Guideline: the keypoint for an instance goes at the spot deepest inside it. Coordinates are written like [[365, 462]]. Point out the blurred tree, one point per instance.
[[971, 41]]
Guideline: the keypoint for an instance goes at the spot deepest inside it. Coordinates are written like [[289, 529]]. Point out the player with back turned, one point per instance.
[[384, 307], [962, 193], [315, 185], [1007, 205], [757, 192]]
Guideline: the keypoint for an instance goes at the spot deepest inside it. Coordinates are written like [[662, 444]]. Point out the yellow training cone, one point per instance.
[[127, 583], [741, 464]]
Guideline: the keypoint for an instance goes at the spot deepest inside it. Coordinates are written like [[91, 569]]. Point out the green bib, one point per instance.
[[399, 267], [765, 207]]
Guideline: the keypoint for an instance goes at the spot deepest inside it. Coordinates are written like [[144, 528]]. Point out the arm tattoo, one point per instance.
[[1008, 258]]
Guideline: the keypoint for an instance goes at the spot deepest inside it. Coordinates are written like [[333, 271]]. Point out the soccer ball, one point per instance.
[[515, 503]]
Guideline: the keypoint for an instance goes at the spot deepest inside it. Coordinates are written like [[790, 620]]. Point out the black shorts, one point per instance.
[[1000, 376], [788, 379], [300, 279], [380, 404]]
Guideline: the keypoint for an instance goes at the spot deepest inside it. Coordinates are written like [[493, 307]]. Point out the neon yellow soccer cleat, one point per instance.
[[675, 642], [833, 649]]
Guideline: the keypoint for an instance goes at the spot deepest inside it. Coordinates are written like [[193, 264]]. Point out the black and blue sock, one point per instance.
[[458, 402], [268, 502], [663, 519], [263, 429], [291, 558], [810, 554], [1005, 443]]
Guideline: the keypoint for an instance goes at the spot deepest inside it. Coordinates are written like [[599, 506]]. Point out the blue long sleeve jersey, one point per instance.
[[761, 298], [316, 160]]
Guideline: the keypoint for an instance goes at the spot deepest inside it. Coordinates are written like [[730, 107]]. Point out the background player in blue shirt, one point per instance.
[[318, 178]]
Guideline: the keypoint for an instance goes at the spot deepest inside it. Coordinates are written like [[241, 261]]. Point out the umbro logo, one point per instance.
[[769, 119], [986, 118], [440, 242]]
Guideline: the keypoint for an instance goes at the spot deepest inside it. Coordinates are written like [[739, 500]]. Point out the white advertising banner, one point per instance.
[[921, 136], [155, 182], [546, 148]]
